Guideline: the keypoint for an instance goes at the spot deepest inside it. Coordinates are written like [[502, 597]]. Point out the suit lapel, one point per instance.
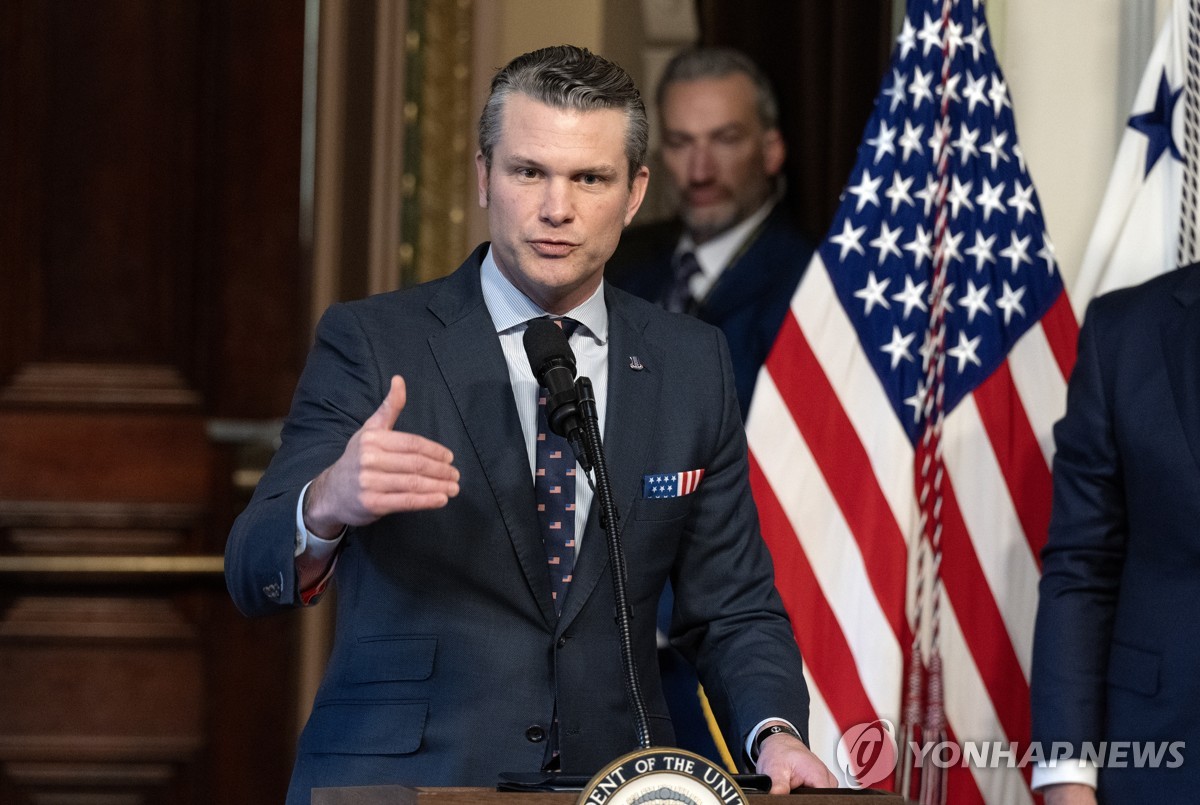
[[630, 419], [1181, 345], [472, 363], [743, 281]]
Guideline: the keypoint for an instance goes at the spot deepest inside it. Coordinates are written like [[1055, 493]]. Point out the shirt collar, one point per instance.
[[509, 308], [716, 254]]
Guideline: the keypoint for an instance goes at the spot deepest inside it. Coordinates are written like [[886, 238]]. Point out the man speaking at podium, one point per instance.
[[475, 608]]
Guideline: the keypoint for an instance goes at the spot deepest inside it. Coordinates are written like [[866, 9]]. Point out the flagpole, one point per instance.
[[930, 468], [1189, 204]]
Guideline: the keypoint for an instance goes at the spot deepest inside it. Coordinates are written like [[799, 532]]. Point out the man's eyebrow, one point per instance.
[[603, 169], [516, 158]]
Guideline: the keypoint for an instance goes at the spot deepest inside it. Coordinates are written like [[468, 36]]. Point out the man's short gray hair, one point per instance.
[[568, 77], [718, 62]]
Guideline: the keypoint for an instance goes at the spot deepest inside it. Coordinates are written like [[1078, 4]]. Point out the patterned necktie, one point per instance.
[[554, 491], [679, 296]]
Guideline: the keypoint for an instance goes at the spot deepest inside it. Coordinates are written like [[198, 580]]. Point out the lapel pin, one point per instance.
[[635, 364]]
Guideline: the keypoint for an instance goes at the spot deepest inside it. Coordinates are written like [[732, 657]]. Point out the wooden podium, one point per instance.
[[403, 795]]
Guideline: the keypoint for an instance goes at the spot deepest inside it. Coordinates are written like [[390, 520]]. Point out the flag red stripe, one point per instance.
[[982, 624], [815, 408], [822, 643], [1061, 330], [1018, 454]]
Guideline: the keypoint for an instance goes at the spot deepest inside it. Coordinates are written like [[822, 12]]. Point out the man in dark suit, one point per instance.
[[733, 256], [1117, 642], [463, 649]]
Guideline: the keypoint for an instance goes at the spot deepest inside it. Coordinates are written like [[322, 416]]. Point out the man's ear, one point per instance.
[[481, 177], [774, 151], [637, 193]]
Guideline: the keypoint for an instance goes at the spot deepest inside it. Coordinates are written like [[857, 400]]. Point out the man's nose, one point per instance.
[[701, 166], [557, 203]]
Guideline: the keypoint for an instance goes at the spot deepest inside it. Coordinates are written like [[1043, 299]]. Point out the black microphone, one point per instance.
[[553, 364]]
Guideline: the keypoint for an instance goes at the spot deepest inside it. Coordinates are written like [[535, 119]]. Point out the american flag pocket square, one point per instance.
[[671, 484]]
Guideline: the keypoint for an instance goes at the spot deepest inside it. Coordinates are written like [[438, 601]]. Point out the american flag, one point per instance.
[[671, 484], [900, 431]]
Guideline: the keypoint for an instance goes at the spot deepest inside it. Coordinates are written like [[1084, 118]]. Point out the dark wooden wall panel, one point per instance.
[[260, 329], [151, 282], [106, 134], [104, 456]]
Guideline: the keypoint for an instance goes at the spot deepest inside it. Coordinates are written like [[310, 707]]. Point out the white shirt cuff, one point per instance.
[[1066, 770], [317, 548]]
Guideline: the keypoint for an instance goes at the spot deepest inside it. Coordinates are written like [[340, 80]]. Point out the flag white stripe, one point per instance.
[[1040, 385], [970, 713], [829, 545], [993, 525], [835, 344], [823, 731]]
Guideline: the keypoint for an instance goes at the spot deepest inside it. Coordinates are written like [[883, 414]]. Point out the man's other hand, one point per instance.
[[790, 764]]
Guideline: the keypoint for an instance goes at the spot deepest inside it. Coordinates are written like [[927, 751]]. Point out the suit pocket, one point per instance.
[[389, 658], [1134, 669], [661, 509], [365, 728]]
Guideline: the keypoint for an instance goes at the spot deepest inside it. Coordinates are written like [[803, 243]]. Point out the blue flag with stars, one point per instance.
[[1142, 229]]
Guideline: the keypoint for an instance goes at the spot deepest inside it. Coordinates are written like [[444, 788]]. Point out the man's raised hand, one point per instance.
[[382, 471]]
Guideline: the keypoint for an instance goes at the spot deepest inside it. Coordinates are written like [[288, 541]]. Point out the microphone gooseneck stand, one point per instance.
[[590, 425]]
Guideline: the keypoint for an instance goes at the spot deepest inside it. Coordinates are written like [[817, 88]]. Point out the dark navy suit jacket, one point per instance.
[[449, 663], [748, 300], [1117, 641]]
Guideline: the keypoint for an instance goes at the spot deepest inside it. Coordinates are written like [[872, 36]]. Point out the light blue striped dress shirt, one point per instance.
[[510, 311]]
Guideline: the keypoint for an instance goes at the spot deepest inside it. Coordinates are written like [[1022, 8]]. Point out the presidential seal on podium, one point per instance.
[[662, 776]]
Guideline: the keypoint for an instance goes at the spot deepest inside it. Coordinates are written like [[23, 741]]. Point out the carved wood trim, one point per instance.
[[56, 619], [92, 775], [113, 567], [61, 528], [98, 514], [99, 748], [100, 385]]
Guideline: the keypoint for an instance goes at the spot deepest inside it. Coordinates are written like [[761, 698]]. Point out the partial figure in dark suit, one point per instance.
[[410, 470], [732, 257], [1117, 641]]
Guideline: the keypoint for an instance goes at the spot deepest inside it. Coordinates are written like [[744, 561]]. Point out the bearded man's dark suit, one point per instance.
[[1117, 642], [448, 657], [748, 300]]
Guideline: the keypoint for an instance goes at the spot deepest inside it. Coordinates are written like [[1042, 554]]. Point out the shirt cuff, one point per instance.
[[1065, 770], [316, 547], [313, 552], [757, 729]]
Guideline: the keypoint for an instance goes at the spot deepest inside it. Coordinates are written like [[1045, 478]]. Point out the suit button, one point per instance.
[[562, 642], [535, 734]]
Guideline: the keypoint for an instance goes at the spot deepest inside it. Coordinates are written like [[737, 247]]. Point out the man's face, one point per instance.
[[557, 195], [720, 157]]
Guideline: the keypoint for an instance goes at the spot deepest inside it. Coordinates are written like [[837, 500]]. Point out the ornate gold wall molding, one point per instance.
[[439, 139]]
